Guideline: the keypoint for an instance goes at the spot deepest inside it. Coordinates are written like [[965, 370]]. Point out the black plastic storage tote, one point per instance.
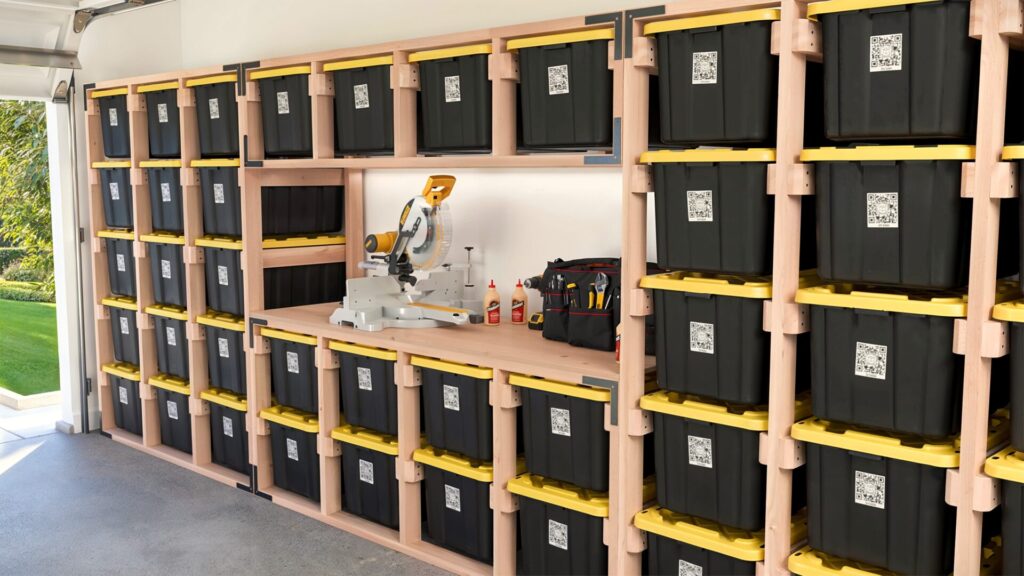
[[293, 446], [116, 188], [162, 119], [224, 291], [302, 285], [165, 198], [225, 350], [171, 344], [216, 115], [297, 210], [293, 372], [229, 439], [457, 414], [222, 196], [172, 396], [455, 99], [167, 267], [369, 485], [285, 107], [369, 394], [124, 328], [120, 261], [123, 385], [113, 109], [363, 106]]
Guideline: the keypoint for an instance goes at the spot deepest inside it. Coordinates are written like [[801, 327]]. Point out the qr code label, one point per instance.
[[172, 409], [558, 79], [223, 348], [365, 377], [229, 426], [293, 449], [218, 193], [869, 489], [885, 53], [452, 89], [122, 394], [172, 336], [123, 320], [282, 103], [165, 191], [361, 96], [222, 275], [120, 263], [214, 105], [702, 337], [112, 116], [452, 498], [161, 113], [699, 207], [690, 569], [870, 360], [450, 397], [699, 451], [115, 191], [558, 534], [292, 359], [165, 269], [366, 471], [883, 209], [705, 67], [560, 423]]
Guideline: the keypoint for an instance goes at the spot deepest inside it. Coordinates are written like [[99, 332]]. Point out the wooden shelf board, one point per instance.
[[293, 501], [125, 437], [222, 474], [506, 347], [539, 160]]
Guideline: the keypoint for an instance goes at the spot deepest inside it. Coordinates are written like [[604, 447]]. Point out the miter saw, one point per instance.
[[400, 299]]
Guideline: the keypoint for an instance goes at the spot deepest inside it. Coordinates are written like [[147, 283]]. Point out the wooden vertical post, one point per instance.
[[504, 401], [329, 415], [321, 93], [354, 217], [407, 378], [503, 72], [258, 370], [405, 83]]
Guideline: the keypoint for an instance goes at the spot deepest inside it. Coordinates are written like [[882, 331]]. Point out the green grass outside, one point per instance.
[[28, 347]]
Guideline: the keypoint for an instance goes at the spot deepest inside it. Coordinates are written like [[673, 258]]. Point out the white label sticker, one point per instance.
[[165, 269], [699, 451], [223, 349], [452, 498], [122, 394], [120, 263], [361, 96], [115, 191], [558, 534], [558, 79], [112, 116], [365, 377], [214, 109], [450, 397], [883, 209], [123, 320], [870, 360], [366, 471], [172, 409], [885, 53], [218, 193], [165, 191], [690, 569], [172, 338], [560, 423], [705, 68], [229, 427], [452, 89], [282, 103], [293, 449], [699, 206], [869, 489], [702, 337], [161, 113], [222, 275], [292, 358]]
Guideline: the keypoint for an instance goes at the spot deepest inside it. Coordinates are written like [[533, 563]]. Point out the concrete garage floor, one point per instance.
[[86, 505]]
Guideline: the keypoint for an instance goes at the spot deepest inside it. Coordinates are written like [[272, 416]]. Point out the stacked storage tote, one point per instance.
[[369, 486], [1007, 465], [455, 99], [293, 443], [363, 106], [229, 437], [123, 384], [286, 109]]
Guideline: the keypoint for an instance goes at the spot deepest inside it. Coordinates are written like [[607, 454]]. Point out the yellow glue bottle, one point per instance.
[[492, 306], [519, 304]]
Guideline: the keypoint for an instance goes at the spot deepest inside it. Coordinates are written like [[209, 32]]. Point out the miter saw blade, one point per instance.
[[429, 246]]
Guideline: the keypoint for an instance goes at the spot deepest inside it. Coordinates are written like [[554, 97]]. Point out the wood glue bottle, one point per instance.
[[492, 306], [519, 304]]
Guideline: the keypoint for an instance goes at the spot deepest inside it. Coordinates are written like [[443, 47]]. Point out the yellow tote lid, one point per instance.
[[456, 463], [122, 370], [945, 304], [158, 87], [112, 164], [109, 92], [732, 542], [888, 153], [217, 163], [440, 53], [1009, 311], [223, 243], [1008, 464], [360, 63], [366, 438], [116, 234], [561, 494], [274, 242], [564, 388], [832, 6], [719, 284], [170, 383], [909, 448], [216, 79], [160, 164], [686, 406], [563, 38], [222, 320], [168, 311], [1013, 152], [288, 336], [279, 72], [163, 238], [359, 350], [292, 418], [225, 398], [122, 302], [711, 20], [453, 367], [714, 155], [810, 562]]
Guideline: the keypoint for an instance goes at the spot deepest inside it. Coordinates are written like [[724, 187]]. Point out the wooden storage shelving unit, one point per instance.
[[509, 350]]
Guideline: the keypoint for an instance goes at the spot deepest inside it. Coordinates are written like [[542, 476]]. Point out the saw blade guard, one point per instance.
[[429, 246]]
